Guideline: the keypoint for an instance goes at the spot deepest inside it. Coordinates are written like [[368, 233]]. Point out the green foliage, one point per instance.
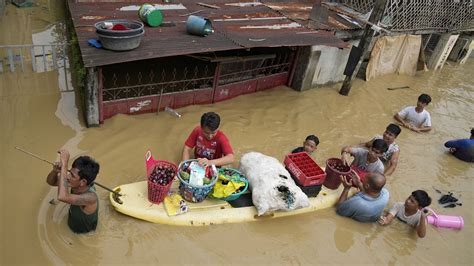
[[78, 72]]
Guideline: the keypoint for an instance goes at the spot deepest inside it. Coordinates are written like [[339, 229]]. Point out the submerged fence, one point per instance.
[[410, 15], [34, 58]]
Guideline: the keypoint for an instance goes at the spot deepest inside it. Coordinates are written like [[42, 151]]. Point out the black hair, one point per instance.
[[472, 131], [424, 98], [380, 145], [210, 120], [421, 197], [395, 129], [313, 138], [88, 168]]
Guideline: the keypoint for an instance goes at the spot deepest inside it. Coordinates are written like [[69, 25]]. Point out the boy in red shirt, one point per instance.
[[210, 145]]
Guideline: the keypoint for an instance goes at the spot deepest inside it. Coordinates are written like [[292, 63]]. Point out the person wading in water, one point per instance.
[[76, 187]]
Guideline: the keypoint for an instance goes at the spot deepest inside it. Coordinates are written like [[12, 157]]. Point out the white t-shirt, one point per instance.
[[410, 115], [360, 160], [398, 210], [386, 156]]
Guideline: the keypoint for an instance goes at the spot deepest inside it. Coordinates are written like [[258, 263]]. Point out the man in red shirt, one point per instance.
[[210, 145]]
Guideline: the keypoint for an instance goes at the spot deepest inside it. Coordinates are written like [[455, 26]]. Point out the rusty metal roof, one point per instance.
[[300, 10], [237, 25]]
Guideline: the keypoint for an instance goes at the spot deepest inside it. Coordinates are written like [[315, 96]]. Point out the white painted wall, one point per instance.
[[331, 64]]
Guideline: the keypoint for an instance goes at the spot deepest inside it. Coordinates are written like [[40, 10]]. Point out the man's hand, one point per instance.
[[383, 220], [425, 212], [355, 177], [203, 161], [345, 158], [57, 167], [346, 183], [63, 157]]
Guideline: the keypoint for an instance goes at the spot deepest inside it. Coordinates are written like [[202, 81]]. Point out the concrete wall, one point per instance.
[[92, 97], [331, 64]]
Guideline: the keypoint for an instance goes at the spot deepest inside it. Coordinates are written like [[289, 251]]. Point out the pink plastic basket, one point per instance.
[[157, 192]]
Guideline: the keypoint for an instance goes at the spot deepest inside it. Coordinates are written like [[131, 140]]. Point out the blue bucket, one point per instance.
[[200, 26], [190, 192]]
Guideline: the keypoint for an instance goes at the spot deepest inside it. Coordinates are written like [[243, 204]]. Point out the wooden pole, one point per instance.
[[375, 16]]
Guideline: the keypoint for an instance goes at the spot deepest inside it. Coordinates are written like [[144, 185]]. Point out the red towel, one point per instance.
[[119, 27]]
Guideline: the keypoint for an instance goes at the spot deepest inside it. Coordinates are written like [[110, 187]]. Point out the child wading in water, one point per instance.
[[411, 212], [310, 144]]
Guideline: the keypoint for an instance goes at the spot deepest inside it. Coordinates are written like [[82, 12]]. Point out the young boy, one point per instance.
[[76, 187], [416, 118], [210, 145], [411, 212], [366, 160], [310, 144], [390, 157]]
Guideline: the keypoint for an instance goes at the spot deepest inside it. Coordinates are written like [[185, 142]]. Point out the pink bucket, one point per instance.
[[445, 221]]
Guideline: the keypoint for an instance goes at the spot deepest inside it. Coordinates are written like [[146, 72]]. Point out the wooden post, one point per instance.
[[375, 16]]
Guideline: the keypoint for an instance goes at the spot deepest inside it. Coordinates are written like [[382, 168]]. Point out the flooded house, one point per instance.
[[254, 47]]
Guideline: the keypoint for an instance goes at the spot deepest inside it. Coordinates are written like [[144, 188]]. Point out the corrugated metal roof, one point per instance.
[[237, 26], [300, 10]]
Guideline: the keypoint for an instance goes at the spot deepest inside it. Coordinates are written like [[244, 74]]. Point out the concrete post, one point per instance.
[[468, 53], [92, 97], [441, 52], [364, 45], [305, 66]]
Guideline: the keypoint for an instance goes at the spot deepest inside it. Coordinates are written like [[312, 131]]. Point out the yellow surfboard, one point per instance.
[[134, 202]]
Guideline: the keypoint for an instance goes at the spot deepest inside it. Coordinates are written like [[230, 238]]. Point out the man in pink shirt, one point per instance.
[[210, 145]]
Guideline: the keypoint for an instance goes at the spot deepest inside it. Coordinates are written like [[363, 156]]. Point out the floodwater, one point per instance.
[[37, 116]]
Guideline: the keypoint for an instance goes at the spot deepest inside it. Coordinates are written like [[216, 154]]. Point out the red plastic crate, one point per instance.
[[306, 171]]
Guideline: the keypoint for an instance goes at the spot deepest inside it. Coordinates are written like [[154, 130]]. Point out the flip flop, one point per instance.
[[452, 205], [448, 198], [95, 43]]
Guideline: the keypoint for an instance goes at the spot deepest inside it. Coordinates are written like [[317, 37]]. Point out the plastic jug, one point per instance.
[[445, 221]]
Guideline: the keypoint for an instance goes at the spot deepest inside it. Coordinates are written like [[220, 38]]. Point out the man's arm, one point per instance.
[[63, 186], [345, 152], [355, 178], [421, 227], [400, 120], [453, 145], [228, 159], [186, 152], [420, 129], [384, 220], [392, 163], [367, 144], [52, 178], [347, 186]]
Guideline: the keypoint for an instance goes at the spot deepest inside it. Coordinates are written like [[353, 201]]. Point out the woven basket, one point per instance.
[[190, 192]]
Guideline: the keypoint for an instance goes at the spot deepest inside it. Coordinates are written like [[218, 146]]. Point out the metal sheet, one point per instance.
[[237, 27]]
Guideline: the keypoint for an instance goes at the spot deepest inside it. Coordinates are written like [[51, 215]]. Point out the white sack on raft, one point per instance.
[[271, 184]]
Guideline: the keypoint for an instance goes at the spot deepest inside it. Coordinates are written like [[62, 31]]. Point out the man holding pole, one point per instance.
[[76, 188]]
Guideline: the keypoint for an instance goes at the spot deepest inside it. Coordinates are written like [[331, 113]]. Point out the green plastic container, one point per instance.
[[150, 15]]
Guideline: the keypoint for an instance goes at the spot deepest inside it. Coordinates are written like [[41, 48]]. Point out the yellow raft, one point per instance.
[[134, 202]]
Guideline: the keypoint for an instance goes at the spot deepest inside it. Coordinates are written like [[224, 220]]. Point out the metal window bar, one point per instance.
[[132, 91], [17, 55]]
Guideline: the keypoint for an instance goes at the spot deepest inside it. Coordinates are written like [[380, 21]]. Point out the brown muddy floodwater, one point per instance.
[[35, 115]]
